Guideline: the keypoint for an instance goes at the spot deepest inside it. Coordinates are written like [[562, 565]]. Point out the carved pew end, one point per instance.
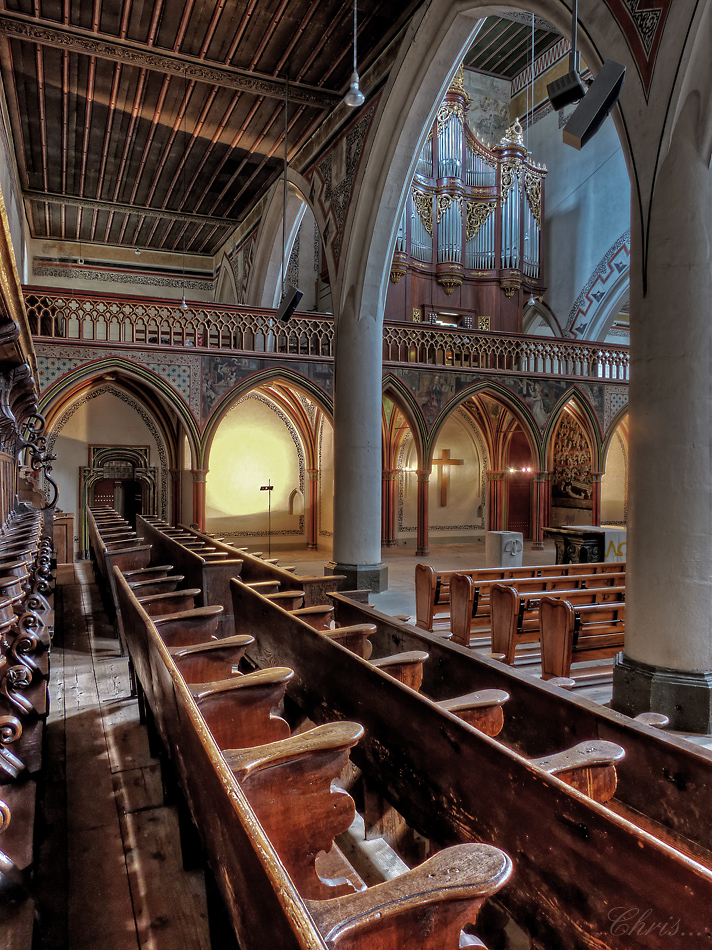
[[659, 720]]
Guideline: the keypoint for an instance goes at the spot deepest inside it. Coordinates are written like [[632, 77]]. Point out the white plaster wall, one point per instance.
[[105, 420], [614, 483], [326, 484], [307, 273], [461, 517], [488, 112], [252, 445], [587, 207]]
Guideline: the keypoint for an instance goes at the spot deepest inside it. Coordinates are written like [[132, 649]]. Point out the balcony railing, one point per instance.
[[144, 322]]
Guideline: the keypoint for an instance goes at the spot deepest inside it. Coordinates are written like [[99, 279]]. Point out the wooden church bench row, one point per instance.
[[432, 588], [451, 782], [316, 588], [235, 795], [471, 601], [516, 619], [201, 569], [663, 781], [26, 625], [574, 632]]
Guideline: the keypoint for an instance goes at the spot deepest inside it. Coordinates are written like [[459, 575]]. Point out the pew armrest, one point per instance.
[[289, 785], [424, 908], [481, 709]]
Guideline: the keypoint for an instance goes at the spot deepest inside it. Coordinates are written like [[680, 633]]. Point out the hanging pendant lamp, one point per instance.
[[354, 97]]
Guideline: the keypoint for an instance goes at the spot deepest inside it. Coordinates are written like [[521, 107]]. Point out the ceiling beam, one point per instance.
[[87, 43], [73, 201]]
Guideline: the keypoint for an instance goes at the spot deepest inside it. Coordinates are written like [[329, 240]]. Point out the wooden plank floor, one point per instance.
[[110, 875]]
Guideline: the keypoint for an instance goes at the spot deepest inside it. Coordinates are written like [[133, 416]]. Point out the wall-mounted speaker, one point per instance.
[[593, 109], [290, 302]]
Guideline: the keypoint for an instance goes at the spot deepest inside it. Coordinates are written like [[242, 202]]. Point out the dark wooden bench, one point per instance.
[[423, 908], [572, 633], [515, 616], [315, 588], [422, 755], [211, 577], [471, 601], [432, 588]]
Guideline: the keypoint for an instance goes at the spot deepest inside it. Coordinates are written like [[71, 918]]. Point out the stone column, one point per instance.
[[199, 476], [312, 509], [423, 523], [667, 665], [358, 356], [388, 508]]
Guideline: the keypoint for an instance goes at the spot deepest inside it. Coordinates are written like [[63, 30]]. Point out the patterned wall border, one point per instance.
[[332, 180], [615, 261], [642, 23], [162, 364], [113, 274], [294, 433], [146, 418]]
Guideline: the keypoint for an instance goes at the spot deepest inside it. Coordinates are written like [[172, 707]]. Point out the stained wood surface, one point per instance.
[[453, 784], [662, 777]]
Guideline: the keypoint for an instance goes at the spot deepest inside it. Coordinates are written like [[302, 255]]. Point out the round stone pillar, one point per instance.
[[358, 354], [667, 665]]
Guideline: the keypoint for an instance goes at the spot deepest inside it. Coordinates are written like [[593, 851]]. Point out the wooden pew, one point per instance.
[[209, 576], [423, 908], [315, 588], [577, 632], [432, 588], [515, 616], [421, 756], [663, 780], [471, 601]]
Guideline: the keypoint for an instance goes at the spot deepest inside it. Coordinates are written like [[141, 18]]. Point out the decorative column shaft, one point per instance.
[[388, 507], [422, 549], [175, 496], [596, 498], [667, 665], [495, 513], [312, 509], [199, 486], [542, 508], [358, 357]]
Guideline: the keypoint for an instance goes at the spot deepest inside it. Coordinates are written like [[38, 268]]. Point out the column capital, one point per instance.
[[312, 474], [495, 476], [199, 474], [423, 475]]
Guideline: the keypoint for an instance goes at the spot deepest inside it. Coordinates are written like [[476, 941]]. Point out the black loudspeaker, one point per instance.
[[596, 105], [565, 90], [290, 301]]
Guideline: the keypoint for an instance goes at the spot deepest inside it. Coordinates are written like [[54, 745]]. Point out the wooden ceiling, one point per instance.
[[158, 123], [503, 46]]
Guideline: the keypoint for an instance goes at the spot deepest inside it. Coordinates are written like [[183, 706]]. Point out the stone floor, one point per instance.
[[109, 873]]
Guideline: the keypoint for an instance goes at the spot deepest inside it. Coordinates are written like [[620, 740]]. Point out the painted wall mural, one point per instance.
[[435, 391], [222, 374]]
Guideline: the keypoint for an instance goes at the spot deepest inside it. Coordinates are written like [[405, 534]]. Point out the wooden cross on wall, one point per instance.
[[445, 462]]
